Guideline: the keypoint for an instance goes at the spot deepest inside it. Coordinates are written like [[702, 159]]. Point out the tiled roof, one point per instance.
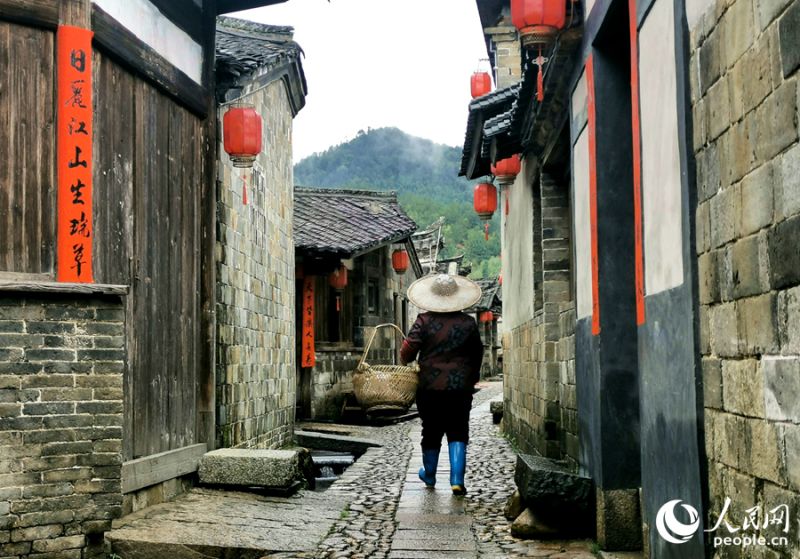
[[499, 124], [481, 110], [490, 297], [347, 222], [244, 46]]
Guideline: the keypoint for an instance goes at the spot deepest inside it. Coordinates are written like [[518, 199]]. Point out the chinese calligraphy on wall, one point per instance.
[[308, 356], [74, 136]]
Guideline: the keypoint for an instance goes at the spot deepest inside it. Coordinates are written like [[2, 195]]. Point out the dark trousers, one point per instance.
[[444, 412]]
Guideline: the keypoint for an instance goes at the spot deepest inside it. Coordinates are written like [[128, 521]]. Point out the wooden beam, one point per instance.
[[39, 13], [164, 466], [124, 46], [206, 362], [75, 12], [61, 287]]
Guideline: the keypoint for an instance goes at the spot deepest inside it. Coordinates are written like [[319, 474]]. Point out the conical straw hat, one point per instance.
[[444, 293]]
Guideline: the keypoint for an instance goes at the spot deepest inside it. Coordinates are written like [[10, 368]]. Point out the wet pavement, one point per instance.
[[378, 508], [432, 523]]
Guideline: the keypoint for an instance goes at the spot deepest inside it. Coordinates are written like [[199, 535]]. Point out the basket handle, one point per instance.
[[372, 337]]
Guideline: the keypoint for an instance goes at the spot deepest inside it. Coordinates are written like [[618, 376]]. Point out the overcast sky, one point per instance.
[[374, 63]]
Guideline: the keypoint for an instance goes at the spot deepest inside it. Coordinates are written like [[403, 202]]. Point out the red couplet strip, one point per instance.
[[308, 357], [593, 195], [74, 137], [637, 164]]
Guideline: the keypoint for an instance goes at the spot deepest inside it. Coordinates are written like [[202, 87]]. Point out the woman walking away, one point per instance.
[[450, 354]]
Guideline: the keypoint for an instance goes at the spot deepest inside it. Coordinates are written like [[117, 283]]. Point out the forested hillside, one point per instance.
[[425, 176]]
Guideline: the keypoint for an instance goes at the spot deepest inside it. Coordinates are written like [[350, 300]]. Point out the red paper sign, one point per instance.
[[308, 357], [74, 137]]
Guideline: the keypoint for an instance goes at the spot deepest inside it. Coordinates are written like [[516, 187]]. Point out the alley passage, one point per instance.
[[432, 524], [377, 509]]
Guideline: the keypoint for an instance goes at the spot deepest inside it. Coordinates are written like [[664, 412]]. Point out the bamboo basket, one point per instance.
[[383, 389]]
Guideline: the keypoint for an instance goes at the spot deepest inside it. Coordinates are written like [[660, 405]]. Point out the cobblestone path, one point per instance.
[[392, 515]]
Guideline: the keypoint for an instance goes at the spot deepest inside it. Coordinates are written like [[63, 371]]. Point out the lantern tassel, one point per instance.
[[338, 303], [244, 189], [540, 79], [486, 230]]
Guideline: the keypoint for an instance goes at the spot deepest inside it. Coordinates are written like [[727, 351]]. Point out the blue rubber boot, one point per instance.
[[458, 467], [430, 460]]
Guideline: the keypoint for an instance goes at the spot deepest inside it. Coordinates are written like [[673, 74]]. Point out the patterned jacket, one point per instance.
[[450, 351]]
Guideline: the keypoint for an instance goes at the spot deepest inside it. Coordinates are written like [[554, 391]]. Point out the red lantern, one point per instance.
[[539, 22], [485, 201], [507, 169], [400, 261], [338, 278], [480, 84], [241, 127], [486, 316], [500, 279], [241, 137]]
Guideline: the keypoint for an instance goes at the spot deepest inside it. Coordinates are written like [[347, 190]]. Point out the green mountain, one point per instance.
[[425, 176]]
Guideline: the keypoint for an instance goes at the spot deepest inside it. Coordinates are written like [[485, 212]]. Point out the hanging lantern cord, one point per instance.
[[540, 77]]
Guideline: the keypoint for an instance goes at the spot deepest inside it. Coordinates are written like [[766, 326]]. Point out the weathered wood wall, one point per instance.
[[149, 175], [27, 135]]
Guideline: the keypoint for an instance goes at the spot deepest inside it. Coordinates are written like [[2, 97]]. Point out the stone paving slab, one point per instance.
[[211, 523], [409, 554], [432, 521]]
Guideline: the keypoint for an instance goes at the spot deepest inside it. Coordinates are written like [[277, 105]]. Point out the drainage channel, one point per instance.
[[328, 466]]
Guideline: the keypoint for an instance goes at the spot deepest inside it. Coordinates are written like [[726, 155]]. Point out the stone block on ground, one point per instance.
[[551, 490], [514, 506], [529, 526], [272, 469], [496, 407]]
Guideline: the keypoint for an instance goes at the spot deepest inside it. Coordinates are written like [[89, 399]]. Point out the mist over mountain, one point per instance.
[[387, 159], [425, 176]]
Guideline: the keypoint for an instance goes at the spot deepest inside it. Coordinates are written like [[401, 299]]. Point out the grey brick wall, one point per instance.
[[539, 356], [744, 61], [255, 360], [61, 368]]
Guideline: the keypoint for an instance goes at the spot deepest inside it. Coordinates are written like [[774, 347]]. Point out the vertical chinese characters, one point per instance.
[[74, 135], [308, 352]]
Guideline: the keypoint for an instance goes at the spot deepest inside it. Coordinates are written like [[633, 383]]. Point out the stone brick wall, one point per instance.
[[539, 356], [332, 379], [61, 375], [508, 55], [255, 360], [744, 62]]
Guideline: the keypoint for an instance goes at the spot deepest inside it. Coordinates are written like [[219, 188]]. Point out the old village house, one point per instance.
[[137, 331], [650, 269], [347, 246]]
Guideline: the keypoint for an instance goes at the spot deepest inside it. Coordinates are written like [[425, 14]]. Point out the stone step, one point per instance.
[[554, 492], [271, 469], [214, 524]]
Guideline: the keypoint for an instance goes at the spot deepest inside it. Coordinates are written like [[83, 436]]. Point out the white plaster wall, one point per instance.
[[579, 97], [582, 225], [517, 249], [695, 10], [661, 174], [144, 20], [589, 5]]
